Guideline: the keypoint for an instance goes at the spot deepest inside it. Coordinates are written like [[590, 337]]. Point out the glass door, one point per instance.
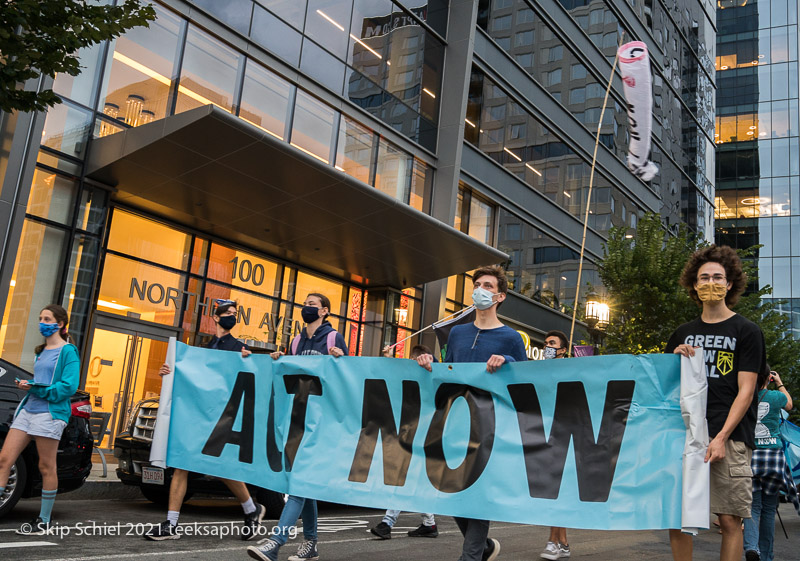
[[123, 368]]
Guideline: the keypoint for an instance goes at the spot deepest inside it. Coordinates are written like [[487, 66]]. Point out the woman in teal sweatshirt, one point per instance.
[[44, 411]]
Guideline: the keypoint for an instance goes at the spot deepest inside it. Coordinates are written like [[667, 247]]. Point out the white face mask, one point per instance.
[[550, 352], [482, 298]]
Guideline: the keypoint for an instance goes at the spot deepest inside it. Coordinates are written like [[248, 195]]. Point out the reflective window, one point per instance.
[[52, 196], [393, 173], [421, 186], [328, 22], [265, 100], [292, 12], [312, 128], [235, 13], [276, 36], [146, 239], [208, 73], [82, 88], [139, 71], [354, 149], [33, 286], [66, 129], [322, 66], [243, 270], [134, 289]]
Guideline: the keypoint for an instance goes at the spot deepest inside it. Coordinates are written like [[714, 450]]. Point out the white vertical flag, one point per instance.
[[634, 64]]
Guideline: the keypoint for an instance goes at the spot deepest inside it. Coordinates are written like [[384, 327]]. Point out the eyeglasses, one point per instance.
[[703, 279]]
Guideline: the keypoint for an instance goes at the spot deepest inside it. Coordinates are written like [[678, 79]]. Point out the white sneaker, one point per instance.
[[555, 551]]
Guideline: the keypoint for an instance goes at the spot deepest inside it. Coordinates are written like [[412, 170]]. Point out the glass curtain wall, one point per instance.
[[758, 154]]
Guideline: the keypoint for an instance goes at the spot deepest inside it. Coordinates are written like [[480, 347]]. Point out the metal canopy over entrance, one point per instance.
[[216, 173]]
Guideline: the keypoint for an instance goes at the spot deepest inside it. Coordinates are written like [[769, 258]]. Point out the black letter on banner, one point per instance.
[[595, 462], [223, 433], [274, 456], [377, 417], [301, 386], [481, 438]]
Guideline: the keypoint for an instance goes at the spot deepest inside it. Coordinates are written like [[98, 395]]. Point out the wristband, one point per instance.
[[780, 386]]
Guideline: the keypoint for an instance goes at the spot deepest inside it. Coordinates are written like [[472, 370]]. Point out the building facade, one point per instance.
[[375, 151], [758, 167]]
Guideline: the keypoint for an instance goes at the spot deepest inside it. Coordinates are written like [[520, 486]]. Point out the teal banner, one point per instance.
[[593, 442]]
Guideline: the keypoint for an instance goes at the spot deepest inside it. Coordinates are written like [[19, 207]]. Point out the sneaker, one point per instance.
[[751, 555], [266, 552], [491, 551], [36, 527], [555, 551], [382, 530], [252, 522], [164, 531], [307, 551], [424, 532]]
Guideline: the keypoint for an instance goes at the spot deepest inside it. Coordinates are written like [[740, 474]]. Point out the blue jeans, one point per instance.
[[294, 509], [759, 530], [391, 517]]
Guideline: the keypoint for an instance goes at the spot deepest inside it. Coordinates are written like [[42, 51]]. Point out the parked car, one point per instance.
[[132, 450], [74, 450]]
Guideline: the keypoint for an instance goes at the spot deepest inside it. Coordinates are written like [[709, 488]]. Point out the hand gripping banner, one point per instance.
[[594, 442], [634, 64]]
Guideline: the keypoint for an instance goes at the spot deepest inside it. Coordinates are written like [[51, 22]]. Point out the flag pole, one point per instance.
[[463, 311], [589, 196]]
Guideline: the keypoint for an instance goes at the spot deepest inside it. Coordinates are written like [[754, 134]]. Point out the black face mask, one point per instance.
[[310, 314], [227, 322]]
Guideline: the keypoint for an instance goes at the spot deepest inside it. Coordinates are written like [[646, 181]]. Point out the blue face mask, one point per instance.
[[482, 298], [550, 352], [47, 329]]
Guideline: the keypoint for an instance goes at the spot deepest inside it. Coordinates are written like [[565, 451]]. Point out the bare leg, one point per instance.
[[48, 451], [15, 443], [681, 545], [237, 488], [177, 489], [732, 538]]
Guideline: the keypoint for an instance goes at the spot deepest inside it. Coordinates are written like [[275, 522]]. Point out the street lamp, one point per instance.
[[597, 317]]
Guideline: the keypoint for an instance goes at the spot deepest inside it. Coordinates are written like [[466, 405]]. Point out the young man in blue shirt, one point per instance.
[[485, 340]]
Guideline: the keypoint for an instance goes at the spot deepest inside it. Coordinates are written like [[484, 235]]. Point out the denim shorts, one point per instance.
[[39, 424]]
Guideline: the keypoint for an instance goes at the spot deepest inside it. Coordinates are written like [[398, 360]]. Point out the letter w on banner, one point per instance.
[[594, 442], [634, 64]]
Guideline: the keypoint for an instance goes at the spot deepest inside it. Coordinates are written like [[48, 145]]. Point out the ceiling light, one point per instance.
[[533, 169], [567, 195], [723, 68], [470, 123], [430, 93], [363, 44]]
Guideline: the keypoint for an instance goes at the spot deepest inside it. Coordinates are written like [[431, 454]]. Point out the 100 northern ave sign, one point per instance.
[[169, 296]]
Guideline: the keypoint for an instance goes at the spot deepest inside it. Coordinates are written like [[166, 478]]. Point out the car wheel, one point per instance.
[[15, 486], [160, 495], [272, 501]]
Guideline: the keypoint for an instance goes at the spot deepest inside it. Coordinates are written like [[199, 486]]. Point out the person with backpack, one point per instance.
[[317, 338], [768, 466], [224, 317], [44, 411]]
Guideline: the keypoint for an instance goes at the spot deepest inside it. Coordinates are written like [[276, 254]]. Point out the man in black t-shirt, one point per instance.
[[733, 352]]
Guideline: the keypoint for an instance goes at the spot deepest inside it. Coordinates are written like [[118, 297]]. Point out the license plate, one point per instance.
[[152, 475]]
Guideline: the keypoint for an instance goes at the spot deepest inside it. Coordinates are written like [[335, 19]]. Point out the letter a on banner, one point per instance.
[[634, 64]]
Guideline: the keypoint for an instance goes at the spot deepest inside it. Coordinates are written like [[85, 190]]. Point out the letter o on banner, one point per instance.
[[481, 438]]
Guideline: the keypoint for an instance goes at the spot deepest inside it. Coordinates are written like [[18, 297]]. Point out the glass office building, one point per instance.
[[758, 167], [375, 151]]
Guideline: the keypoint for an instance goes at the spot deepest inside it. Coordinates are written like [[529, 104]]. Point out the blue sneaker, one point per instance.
[[306, 552], [266, 552]]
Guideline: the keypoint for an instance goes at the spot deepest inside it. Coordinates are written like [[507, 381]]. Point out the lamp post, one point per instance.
[[597, 318]]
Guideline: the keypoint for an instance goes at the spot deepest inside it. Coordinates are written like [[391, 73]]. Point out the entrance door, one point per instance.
[[123, 368]]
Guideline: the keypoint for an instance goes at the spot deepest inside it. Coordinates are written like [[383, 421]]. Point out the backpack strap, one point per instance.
[[295, 344], [331, 341]]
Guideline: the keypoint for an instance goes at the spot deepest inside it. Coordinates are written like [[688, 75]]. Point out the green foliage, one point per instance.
[[641, 277], [42, 37], [648, 303]]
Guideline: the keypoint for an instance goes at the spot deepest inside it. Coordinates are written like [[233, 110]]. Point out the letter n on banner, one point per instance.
[[377, 417], [595, 461]]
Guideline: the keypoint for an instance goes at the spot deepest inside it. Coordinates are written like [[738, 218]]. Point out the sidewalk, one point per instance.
[[99, 487]]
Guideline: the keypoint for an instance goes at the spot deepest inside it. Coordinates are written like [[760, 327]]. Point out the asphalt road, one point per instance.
[[111, 529]]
